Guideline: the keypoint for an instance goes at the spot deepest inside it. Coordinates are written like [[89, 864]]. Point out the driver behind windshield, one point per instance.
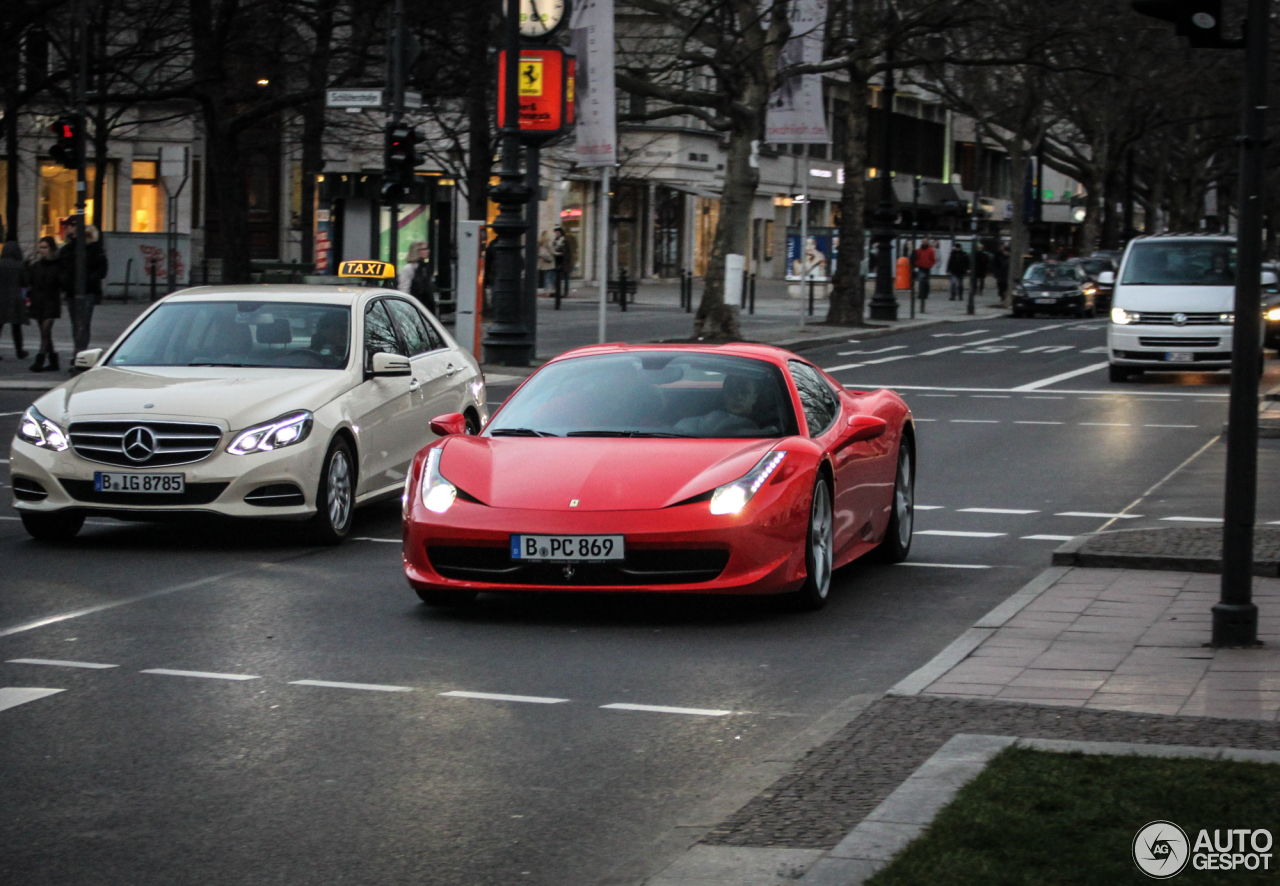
[[330, 336], [740, 395]]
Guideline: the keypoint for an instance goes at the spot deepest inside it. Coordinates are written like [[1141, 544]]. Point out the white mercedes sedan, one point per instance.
[[289, 402]]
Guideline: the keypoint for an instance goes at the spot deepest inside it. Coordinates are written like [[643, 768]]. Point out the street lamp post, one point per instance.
[[884, 306], [509, 340]]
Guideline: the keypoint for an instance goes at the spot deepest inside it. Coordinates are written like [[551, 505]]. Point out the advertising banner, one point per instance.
[[818, 261], [592, 41], [795, 113]]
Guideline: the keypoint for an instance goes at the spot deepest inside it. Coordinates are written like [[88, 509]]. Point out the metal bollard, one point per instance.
[[153, 281], [686, 278], [751, 295], [622, 288], [811, 285]]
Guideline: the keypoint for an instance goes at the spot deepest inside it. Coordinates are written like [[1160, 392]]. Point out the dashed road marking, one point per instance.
[[1062, 376], [664, 709], [1171, 426], [499, 696], [1193, 519], [12, 696], [956, 533], [996, 511], [938, 335], [1043, 398], [371, 687], [389, 541], [929, 507], [990, 396], [204, 675], [946, 565], [1105, 424], [877, 351], [1039, 422], [57, 663], [975, 421], [1047, 537], [1098, 515]]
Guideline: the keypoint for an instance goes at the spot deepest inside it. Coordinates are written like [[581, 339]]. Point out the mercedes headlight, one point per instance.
[[283, 431], [1122, 317], [1273, 314], [733, 497], [39, 431], [438, 494]]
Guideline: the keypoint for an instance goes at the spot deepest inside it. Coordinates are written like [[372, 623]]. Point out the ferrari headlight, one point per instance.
[[1273, 314], [733, 497], [283, 431], [438, 494], [39, 431], [1122, 317]]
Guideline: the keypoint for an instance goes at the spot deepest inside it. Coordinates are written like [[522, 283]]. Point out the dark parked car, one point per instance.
[[1094, 268], [1055, 287]]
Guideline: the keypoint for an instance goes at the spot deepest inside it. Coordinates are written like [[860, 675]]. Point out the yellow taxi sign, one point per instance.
[[378, 270]]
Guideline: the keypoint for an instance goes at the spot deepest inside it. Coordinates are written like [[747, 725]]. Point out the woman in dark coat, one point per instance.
[[44, 289], [13, 306]]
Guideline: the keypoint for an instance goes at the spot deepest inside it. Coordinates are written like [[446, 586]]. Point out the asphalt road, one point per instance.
[[235, 773]]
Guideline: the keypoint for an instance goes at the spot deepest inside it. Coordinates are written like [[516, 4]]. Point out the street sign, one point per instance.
[[412, 99], [354, 98], [545, 91]]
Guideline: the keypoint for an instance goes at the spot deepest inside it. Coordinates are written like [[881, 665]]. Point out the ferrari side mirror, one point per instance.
[[864, 427], [449, 423]]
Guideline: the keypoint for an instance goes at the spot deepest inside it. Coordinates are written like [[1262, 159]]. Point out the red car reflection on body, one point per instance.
[[731, 469]]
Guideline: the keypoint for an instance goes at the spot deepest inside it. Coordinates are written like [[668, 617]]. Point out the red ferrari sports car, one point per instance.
[[731, 469]]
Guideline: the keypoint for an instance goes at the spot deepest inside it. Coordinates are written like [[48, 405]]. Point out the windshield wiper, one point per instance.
[[625, 434], [217, 364], [520, 432]]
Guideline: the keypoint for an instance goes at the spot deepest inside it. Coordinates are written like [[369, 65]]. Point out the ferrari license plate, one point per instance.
[[113, 482], [1180, 356], [567, 547]]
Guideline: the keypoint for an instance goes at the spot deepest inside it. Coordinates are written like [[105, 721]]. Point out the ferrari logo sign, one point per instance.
[[379, 270], [531, 76]]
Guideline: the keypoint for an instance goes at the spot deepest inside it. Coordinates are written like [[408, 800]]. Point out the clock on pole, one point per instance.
[[540, 19]]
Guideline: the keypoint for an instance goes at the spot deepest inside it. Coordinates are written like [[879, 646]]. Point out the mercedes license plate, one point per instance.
[[104, 481], [567, 547], [1046, 301], [1180, 357]]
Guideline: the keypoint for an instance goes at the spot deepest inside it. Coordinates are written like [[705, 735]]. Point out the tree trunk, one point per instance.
[[10, 225], [849, 288], [229, 193], [1019, 236], [313, 121]]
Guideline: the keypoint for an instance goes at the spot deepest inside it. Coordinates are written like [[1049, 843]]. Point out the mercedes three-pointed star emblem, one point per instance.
[[139, 444]]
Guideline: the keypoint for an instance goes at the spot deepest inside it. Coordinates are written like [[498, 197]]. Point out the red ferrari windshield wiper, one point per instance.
[[520, 432], [625, 434]]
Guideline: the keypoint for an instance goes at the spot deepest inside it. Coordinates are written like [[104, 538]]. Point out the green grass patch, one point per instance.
[[1035, 817]]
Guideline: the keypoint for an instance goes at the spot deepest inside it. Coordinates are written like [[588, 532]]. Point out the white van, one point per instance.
[[1173, 306]]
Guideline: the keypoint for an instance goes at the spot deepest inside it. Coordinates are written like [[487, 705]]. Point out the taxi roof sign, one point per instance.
[[377, 270]]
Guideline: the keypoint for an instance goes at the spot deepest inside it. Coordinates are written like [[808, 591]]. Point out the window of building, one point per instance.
[[57, 198], [148, 198]]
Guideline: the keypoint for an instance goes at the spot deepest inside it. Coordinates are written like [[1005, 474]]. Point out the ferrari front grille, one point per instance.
[[644, 566]]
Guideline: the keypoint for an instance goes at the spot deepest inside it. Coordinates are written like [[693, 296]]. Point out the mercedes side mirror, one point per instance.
[[864, 427], [1269, 278], [386, 365], [89, 359], [1107, 278], [448, 424]]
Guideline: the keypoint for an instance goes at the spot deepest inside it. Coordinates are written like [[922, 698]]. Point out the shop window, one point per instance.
[[148, 198], [57, 199]]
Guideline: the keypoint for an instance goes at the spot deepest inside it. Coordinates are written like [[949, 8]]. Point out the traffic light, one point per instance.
[[1200, 21], [65, 149], [402, 156]]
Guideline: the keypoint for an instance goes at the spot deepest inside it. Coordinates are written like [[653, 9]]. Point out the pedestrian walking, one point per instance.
[[1000, 268], [546, 263], [958, 268], [81, 308], [924, 259], [981, 266], [44, 292], [13, 304], [562, 253], [417, 277]]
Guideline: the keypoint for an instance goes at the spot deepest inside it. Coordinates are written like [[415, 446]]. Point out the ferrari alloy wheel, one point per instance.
[[335, 497], [819, 551], [897, 536], [52, 527], [445, 599]]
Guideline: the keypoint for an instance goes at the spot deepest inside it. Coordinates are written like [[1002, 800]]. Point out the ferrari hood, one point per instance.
[[237, 397], [599, 473]]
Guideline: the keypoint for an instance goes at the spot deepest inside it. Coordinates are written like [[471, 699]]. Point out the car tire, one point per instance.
[[902, 519], [335, 495], [57, 526], [1119, 373], [447, 599], [1017, 314], [819, 551], [473, 423]]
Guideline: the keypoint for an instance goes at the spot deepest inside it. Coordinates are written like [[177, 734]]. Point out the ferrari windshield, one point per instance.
[[651, 394], [225, 333], [1181, 263]]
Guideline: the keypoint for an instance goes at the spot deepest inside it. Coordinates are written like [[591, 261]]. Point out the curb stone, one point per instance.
[[1075, 553]]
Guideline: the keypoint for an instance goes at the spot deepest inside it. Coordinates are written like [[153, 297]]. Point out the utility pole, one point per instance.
[[396, 191], [884, 306], [973, 222], [83, 301]]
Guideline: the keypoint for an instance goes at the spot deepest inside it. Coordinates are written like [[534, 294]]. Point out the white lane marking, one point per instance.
[[924, 419], [498, 696], [372, 687], [1048, 537], [842, 366], [956, 533], [940, 395], [937, 351], [4, 461], [995, 511], [1034, 331], [1098, 350], [664, 709], [990, 396], [1171, 426], [12, 696], [56, 663], [1206, 401], [877, 351], [1043, 398], [946, 565], [928, 507], [204, 675], [1097, 515], [1062, 376], [889, 359], [1033, 350], [935, 335], [1058, 349], [390, 541], [6, 414], [866, 386], [1105, 424], [1271, 523], [1193, 519], [975, 421], [1039, 422], [993, 349]]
